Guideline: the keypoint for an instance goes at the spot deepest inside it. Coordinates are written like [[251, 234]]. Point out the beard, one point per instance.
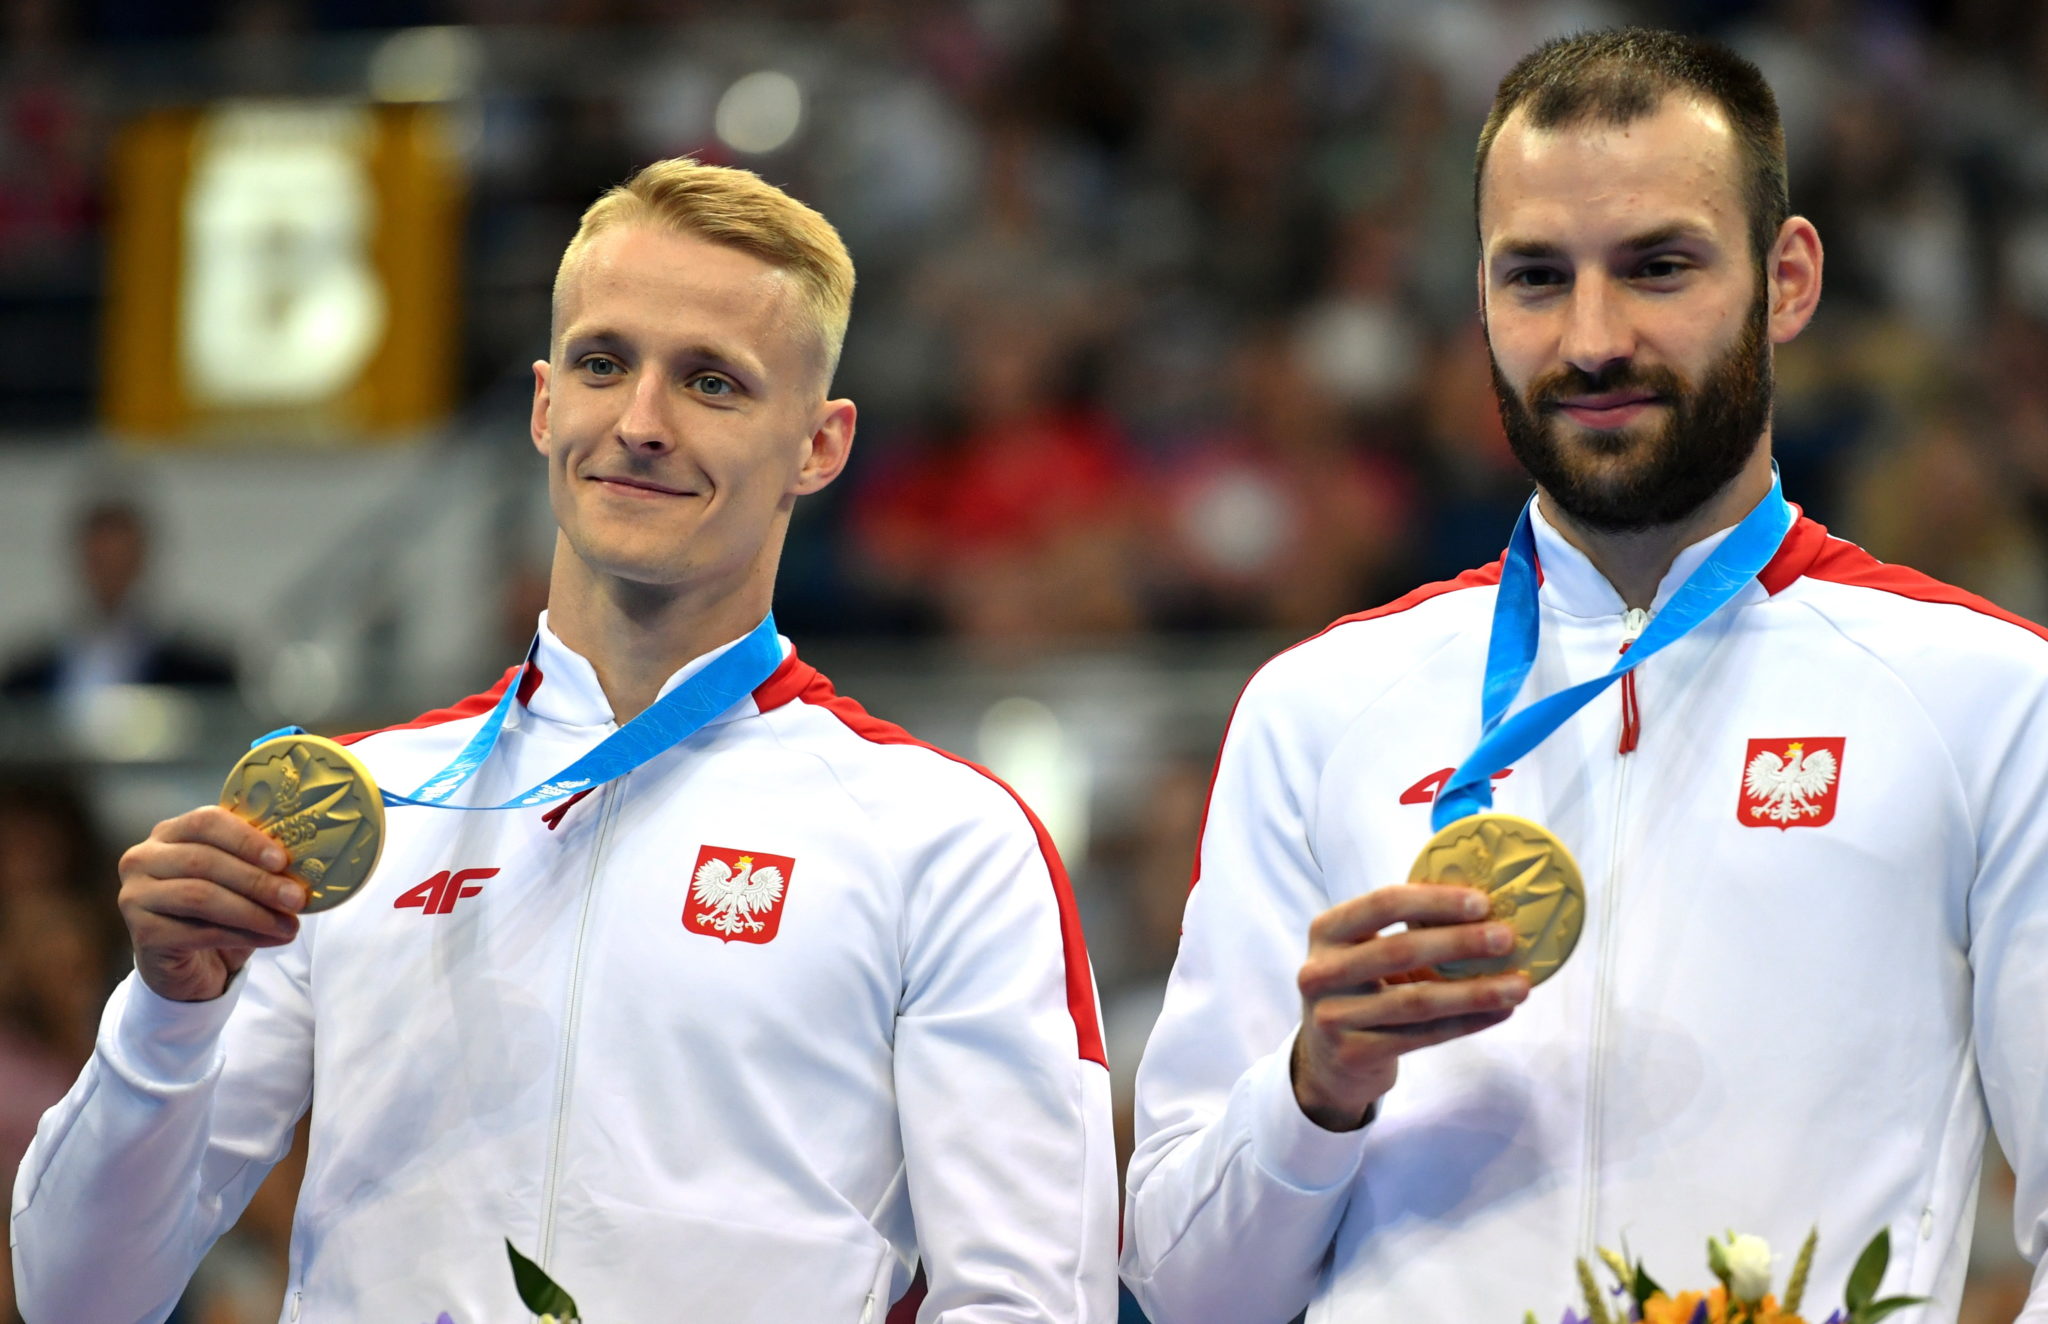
[[1629, 480]]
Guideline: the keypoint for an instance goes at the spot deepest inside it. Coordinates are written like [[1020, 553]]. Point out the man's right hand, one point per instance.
[[202, 894], [1358, 1017]]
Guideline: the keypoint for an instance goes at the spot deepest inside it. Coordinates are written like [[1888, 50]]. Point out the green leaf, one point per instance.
[[1869, 1271], [1877, 1310], [1717, 1260], [537, 1290], [1644, 1286]]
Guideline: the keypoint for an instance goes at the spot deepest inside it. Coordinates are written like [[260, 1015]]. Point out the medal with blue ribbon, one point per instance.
[[324, 807], [1534, 881]]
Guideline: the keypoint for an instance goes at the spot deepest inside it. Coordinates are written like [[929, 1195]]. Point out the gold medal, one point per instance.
[[1534, 883], [322, 806]]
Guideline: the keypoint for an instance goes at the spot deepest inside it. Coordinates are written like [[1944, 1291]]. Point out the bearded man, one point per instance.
[[1809, 822]]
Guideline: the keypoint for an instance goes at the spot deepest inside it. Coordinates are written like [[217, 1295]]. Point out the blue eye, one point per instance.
[[710, 384], [597, 365]]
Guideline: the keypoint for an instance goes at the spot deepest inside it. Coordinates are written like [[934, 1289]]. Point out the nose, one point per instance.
[[644, 424], [1596, 331]]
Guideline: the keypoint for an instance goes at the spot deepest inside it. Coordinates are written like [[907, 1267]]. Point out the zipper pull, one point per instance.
[[1632, 622]]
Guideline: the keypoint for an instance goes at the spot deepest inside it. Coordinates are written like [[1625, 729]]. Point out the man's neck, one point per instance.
[[1635, 563], [636, 636]]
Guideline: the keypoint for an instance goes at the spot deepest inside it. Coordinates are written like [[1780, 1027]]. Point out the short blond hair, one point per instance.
[[740, 210]]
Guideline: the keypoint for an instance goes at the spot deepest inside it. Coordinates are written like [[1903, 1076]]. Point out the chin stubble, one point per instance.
[[1712, 431]]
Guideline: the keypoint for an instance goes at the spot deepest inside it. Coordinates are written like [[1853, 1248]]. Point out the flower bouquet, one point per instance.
[[539, 1292], [1743, 1264]]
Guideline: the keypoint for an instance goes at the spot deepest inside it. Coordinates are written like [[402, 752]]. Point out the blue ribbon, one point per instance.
[[1511, 648], [666, 723]]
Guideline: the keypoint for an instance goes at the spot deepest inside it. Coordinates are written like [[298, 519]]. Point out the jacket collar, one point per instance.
[[568, 691], [1572, 585]]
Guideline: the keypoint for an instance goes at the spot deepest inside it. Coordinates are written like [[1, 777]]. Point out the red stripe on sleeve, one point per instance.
[[795, 680], [1811, 552]]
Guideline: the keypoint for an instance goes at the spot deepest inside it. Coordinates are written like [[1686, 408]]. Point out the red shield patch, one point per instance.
[[1790, 783], [736, 895]]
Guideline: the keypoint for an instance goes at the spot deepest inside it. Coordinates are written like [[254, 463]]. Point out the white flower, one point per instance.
[[1749, 1268]]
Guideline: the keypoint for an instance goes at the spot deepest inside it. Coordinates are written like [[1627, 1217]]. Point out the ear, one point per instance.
[[1793, 275], [830, 443], [538, 424]]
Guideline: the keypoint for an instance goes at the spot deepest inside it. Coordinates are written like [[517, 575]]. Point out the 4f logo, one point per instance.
[[438, 895], [1424, 791]]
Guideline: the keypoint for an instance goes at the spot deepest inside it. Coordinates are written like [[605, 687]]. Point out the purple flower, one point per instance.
[[1573, 1317], [1699, 1314]]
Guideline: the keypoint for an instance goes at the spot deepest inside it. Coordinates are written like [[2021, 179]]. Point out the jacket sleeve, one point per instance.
[[2008, 934], [179, 1114], [1002, 1094], [1233, 1195]]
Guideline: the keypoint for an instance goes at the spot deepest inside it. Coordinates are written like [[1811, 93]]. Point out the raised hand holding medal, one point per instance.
[[301, 824], [1494, 903]]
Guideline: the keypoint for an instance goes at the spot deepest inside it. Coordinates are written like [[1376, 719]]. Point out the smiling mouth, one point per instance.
[[646, 485], [1605, 410]]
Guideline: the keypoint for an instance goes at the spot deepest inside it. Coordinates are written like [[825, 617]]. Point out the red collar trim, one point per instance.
[[785, 683], [1796, 555]]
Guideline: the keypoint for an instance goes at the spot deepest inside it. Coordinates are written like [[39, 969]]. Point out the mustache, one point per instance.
[[1569, 382]]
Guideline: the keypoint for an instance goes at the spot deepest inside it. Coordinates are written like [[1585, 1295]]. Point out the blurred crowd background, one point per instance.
[[1165, 347]]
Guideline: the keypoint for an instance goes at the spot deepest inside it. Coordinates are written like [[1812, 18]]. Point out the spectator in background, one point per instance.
[[113, 640], [1019, 522], [1282, 518], [1937, 502], [47, 201], [1473, 482], [57, 956]]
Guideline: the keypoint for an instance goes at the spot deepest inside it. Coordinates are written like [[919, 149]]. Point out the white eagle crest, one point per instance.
[[1788, 786], [735, 898]]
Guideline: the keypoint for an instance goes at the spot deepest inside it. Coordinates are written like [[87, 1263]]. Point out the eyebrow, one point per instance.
[[1664, 234]]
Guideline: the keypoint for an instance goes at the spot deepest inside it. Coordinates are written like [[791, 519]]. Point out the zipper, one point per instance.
[[1632, 623], [612, 797]]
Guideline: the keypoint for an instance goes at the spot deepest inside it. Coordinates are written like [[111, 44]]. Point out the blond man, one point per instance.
[[747, 1031]]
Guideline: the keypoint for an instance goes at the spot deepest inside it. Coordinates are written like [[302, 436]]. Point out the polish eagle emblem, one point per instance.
[[1795, 788], [735, 895]]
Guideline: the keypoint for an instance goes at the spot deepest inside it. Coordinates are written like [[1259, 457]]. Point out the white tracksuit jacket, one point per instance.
[[677, 1125], [1764, 1027]]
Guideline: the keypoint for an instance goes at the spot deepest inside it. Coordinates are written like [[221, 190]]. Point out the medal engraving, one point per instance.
[[1532, 879], [320, 803]]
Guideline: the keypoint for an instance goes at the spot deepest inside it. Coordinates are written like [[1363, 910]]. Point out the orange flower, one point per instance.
[[1661, 1309]]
